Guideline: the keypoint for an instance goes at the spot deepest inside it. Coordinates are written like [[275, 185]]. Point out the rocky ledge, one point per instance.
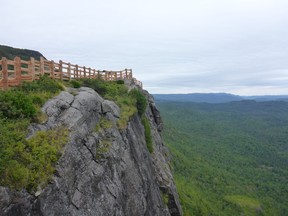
[[108, 171]]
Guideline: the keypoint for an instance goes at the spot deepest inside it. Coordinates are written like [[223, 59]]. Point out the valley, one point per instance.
[[229, 158]]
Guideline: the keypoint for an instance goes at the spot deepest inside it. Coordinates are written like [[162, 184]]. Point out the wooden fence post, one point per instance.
[[52, 69], [69, 71], [84, 68], [32, 68], [61, 69], [121, 75], [89, 69], [126, 73], [5, 73], [17, 69], [41, 65], [76, 67]]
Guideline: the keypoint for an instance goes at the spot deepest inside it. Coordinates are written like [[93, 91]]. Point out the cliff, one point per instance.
[[103, 170]]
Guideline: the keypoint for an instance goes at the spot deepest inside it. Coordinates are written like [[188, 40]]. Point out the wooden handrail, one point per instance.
[[14, 72]]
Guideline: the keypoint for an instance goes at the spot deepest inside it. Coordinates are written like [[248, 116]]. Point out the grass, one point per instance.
[[102, 147], [148, 137], [28, 163], [103, 124], [165, 198]]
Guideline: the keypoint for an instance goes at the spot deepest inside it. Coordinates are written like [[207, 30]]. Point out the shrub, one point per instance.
[[44, 83], [141, 102], [15, 104], [148, 137], [120, 82], [97, 84], [165, 197], [16, 174], [29, 163], [75, 83], [45, 150]]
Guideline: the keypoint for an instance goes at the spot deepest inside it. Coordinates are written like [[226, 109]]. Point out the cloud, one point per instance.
[[173, 46]]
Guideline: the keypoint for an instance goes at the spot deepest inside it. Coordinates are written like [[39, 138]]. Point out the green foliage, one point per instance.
[[100, 86], [249, 205], [141, 101], [24, 101], [45, 150], [75, 83], [43, 84], [229, 159], [16, 104], [120, 82], [103, 124], [29, 163], [165, 198], [102, 148], [148, 137]]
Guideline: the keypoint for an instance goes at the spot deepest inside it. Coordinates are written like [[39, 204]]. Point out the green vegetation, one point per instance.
[[165, 198], [141, 101], [27, 163], [30, 163], [75, 84], [43, 84], [148, 137], [11, 53], [16, 104], [249, 205], [230, 158], [103, 147], [103, 124], [128, 102], [120, 82]]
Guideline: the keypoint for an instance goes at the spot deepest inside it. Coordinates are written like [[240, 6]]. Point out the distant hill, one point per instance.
[[215, 97], [199, 97], [267, 98], [25, 54]]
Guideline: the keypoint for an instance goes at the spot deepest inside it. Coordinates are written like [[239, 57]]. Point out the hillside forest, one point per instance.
[[229, 158]]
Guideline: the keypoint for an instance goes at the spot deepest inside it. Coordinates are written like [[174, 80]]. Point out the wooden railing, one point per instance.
[[14, 72]]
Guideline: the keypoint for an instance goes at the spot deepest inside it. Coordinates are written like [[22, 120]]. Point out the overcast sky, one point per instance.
[[173, 46]]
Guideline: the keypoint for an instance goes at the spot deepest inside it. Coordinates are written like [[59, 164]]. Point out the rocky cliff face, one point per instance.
[[103, 171]]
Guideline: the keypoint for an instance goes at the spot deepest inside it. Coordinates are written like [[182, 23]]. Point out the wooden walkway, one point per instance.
[[14, 72]]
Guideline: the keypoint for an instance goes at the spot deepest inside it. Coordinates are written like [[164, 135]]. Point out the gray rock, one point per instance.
[[4, 197], [15, 202], [109, 172], [110, 107]]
